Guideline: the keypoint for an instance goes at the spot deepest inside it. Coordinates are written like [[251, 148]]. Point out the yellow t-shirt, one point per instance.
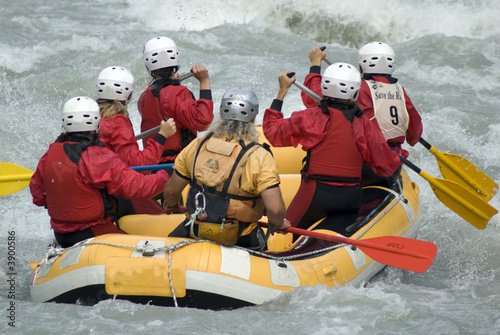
[[259, 173]]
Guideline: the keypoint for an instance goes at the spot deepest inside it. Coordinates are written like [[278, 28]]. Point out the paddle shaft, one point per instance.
[[14, 178], [304, 88], [156, 129]]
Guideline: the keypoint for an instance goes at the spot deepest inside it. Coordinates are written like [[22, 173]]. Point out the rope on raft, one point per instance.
[[54, 251]]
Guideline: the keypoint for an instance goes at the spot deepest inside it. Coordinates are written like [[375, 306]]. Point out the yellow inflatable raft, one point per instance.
[[148, 267]]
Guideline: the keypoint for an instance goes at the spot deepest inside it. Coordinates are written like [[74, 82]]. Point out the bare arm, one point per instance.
[[172, 191], [275, 208]]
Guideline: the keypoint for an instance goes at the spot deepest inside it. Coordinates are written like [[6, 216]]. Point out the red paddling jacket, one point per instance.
[[75, 180], [338, 142], [170, 99], [117, 134]]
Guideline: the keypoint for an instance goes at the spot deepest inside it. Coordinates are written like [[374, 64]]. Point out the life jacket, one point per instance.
[[336, 159], [216, 172], [151, 117], [389, 107], [69, 200]]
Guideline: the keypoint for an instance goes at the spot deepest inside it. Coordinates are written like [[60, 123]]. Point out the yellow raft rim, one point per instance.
[[148, 267]]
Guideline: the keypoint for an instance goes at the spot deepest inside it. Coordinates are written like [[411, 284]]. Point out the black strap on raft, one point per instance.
[[349, 114], [74, 152]]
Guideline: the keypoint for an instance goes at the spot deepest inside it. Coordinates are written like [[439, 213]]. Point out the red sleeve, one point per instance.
[[373, 147], [36, 183], [312, 82], [415, 127], [306, 127], [101, 168], [178, 103], [364, 100], [117, 134]]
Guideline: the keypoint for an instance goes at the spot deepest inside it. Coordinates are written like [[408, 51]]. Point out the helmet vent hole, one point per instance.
[[155, 54], [70, 116], [244, 113]]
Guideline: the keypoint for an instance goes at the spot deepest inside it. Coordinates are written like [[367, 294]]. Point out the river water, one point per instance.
[[448, 56]]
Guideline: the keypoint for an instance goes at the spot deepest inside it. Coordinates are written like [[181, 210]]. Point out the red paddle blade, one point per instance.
[[401, 252]]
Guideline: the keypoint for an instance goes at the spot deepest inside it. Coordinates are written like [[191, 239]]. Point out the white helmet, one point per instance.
[[160, 52], [341, 81], [376, 57], [239, 104], [80, 114], [115, 83]]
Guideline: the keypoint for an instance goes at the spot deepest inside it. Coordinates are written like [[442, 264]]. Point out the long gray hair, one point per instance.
[[238, 130]]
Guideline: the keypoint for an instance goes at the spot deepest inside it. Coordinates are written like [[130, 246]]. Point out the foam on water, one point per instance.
[[447, 56]]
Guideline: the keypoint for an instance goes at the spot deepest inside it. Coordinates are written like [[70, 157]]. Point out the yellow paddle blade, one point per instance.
[[466, 204], [463, 172], [13, 178]]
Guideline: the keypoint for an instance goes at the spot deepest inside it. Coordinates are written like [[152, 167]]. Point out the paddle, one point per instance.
[[401, 252], [14, 178], [157, 128], [463, 172], [466, 204]]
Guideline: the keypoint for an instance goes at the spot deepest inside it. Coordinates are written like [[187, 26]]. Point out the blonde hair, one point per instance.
[[109, 108], [231, 129]]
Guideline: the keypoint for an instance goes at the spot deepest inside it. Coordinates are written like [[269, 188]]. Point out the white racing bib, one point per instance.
[[389, 108]]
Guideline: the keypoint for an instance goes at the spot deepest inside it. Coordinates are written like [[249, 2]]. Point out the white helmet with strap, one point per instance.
[[115, 83], [160, 52], [80, 114], [376, 57], [341, 81], [239, 104]]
